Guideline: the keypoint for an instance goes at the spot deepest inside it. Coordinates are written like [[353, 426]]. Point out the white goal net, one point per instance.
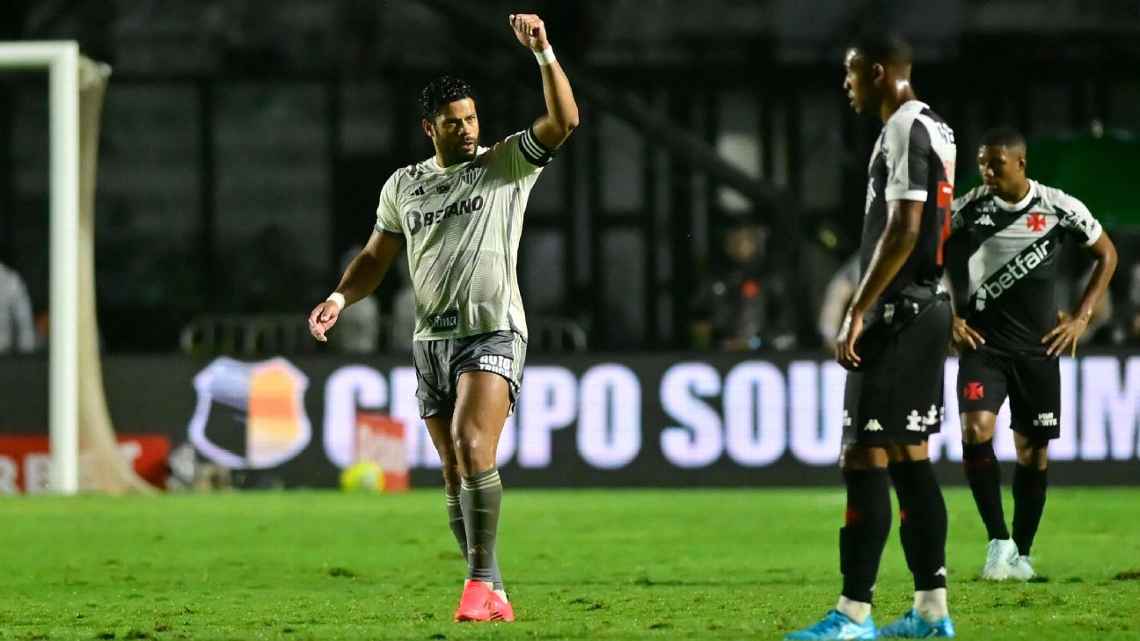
[[84, 452]]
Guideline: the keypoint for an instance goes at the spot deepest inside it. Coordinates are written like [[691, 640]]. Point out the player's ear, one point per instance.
[[878, 74], [428, 127]]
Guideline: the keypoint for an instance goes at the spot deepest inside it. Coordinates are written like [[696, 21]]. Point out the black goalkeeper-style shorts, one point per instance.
[[986, 376], [895, 395], [440, 362]]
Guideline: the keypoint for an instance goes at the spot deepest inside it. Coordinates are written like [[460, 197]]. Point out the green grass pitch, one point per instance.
[[617, 564]]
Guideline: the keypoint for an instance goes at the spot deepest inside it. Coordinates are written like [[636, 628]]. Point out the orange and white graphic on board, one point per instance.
[[380, 440], [250, 415]]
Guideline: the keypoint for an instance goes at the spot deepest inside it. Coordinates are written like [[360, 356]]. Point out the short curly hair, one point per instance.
[[441, 91], [1004, 136]]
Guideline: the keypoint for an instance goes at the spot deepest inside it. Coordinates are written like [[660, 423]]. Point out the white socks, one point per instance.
[[931, 604], [857, 611]]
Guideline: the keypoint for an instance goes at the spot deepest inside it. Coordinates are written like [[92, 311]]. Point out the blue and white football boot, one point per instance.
[[835, 626]]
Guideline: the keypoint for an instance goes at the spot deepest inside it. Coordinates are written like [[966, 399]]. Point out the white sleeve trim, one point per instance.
[[1095, 237], [896, 193]]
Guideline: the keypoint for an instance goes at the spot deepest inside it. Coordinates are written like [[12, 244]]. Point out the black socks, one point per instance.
[[864, 531], [984, 476], [1029, 485], [922, 517]]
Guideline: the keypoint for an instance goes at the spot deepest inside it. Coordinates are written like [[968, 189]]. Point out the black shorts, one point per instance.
[[895, 395], [1033, 384], [440, 362]]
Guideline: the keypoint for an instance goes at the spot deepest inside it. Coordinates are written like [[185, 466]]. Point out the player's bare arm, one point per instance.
[[962, 335], [904, 220], [360, 279], [561, 117], [1063, 338]]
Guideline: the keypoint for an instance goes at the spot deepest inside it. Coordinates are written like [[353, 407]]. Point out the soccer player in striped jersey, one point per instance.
[[1011, 333], [460, 214], [893, 343]]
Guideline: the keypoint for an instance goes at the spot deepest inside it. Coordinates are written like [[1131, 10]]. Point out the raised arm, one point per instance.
[[360, 279], [561, 117]]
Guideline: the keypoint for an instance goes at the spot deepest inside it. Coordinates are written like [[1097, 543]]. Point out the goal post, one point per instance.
[[61, 60]]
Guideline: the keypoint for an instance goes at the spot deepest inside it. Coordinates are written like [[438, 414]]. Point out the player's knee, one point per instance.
[[1034, 455], [854, 457], [976, 431], [465, 443], [451, 477], [471, 446], [908, 453]]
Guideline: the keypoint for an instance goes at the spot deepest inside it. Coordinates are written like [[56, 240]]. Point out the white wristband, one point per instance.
[[545, 57], [338, 299]]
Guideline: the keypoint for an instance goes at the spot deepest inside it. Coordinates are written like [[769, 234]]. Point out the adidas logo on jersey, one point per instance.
[[985, 219], [1015, 271]]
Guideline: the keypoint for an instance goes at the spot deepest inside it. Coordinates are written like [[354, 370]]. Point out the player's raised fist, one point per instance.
[[529, 30]]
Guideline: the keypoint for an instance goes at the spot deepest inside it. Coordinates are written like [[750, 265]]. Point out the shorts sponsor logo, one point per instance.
[[1045, 419], [500, 365], [974, 391], [872, 426]]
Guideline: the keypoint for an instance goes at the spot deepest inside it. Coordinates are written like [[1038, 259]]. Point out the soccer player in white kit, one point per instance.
[[460, 213]]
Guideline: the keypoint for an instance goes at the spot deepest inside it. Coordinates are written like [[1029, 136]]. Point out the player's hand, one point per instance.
[[963, 335], [1063, 338], [530, 31], [322, 319], [849, 333]]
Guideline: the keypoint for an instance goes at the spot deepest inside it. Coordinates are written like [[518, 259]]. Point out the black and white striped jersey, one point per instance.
[[1014, 252], [913, 160]]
